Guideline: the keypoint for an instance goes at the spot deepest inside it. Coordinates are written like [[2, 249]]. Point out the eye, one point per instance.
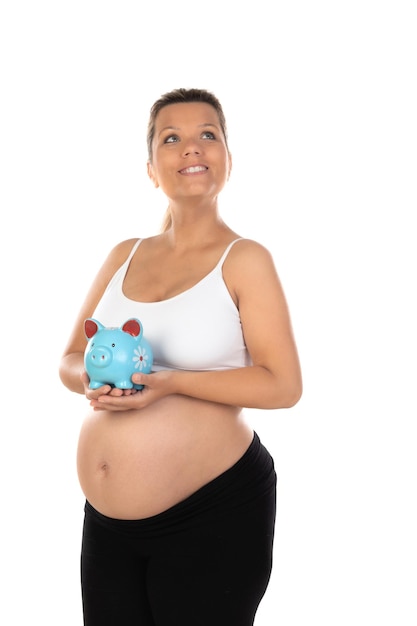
[[171, 139], [208, 135]]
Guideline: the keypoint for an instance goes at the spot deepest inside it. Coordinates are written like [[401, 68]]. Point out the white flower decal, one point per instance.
[[140, 358]]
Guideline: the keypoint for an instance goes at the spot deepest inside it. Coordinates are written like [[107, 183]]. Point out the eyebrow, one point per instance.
[[205, 125]]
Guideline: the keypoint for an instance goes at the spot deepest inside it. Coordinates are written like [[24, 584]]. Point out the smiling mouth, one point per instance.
[[194, 169]]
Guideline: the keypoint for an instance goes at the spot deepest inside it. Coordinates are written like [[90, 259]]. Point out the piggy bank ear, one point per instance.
[[133, 327], [91, 326]]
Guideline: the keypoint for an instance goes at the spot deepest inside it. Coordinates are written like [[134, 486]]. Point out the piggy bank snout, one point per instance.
[[100, 356]]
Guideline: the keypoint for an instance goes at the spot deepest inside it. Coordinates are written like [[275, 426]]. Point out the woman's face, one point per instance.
[[189, 152]]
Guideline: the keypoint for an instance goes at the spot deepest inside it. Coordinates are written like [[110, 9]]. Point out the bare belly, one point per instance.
[[139, 463]]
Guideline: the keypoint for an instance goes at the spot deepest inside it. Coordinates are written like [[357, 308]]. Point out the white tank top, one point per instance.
[[198, 329]]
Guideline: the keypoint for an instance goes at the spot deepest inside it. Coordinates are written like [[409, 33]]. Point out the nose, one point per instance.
[[191, 146], [100, 356]]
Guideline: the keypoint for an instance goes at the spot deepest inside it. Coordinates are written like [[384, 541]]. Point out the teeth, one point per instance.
[[193, 170]]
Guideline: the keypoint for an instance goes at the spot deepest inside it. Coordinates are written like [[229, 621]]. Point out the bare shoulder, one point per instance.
[[117, 256], [121, 250], [114, 260], [248, 255], [249, 270], [250, 246]]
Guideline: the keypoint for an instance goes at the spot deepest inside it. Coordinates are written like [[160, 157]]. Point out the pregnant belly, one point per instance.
[[136, 464]]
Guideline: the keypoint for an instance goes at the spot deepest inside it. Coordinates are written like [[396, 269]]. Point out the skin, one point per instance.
[[132, 443]]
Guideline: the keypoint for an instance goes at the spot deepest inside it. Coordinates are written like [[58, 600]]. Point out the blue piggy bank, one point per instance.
[[112, 355]]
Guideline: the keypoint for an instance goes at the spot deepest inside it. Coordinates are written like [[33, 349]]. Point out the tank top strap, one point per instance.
[[132, 252], [219, 264], [226, 252]]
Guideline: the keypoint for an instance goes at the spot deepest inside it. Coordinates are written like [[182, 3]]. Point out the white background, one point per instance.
[[321, 104]]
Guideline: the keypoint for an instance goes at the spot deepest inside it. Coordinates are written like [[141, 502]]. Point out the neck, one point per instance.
[[195, 229]]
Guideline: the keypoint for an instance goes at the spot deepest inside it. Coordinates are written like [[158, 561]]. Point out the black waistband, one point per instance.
[[249, 478]]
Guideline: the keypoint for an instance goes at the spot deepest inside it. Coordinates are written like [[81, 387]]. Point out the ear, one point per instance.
[[91, 327], [230, 166], [152, 175], [133, 327]]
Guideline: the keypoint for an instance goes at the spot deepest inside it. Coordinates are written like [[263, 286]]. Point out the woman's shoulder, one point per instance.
[[120, 252], [125, 246], [115, 258], [247, 261], [249, 251]]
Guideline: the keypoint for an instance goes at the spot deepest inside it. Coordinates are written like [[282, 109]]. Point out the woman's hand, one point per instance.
[[105, 390], [106, 398]]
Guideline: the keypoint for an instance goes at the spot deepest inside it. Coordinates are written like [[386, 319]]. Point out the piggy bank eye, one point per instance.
[[113, 345]]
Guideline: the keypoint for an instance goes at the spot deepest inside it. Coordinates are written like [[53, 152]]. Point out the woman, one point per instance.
[[180, 492]]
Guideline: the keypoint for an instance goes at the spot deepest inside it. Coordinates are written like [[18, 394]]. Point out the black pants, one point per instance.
[[204, 562]]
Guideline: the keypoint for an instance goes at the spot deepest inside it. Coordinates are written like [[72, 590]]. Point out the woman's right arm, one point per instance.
[[71, 366]]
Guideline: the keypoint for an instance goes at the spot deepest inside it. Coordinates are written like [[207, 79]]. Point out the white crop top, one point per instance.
[[198, 329]]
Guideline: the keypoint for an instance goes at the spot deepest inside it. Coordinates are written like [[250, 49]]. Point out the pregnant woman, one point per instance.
[[180, 491]]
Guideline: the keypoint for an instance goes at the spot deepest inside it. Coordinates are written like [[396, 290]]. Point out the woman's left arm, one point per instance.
[[272, 381]]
